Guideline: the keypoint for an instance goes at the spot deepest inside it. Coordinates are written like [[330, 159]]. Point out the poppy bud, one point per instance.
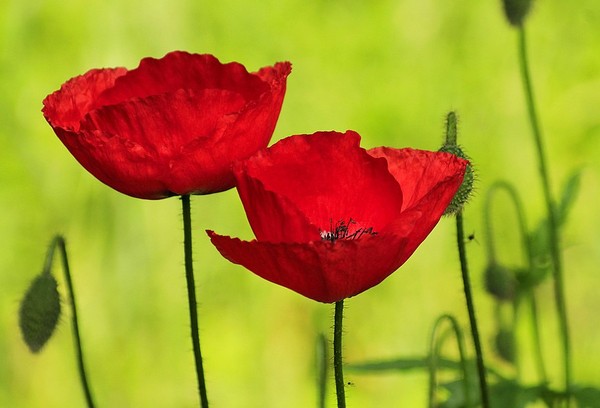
[[516, 11], [465, 189], [39, 311], [499, 282], [504, 342]]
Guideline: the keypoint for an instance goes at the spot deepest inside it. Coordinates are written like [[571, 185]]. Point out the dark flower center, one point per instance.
[[345, 230]]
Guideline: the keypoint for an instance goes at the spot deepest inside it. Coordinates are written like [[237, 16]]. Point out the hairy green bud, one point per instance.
[[39, 311], [464, 191], [450, 146]]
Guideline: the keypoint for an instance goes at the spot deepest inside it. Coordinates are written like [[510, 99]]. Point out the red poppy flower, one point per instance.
[[172, 126], [331, 219]]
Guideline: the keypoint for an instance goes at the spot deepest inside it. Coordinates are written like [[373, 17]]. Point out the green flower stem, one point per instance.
[[535, 326], [337, 354], [191, 289], [434, 349], [322, 365], [60, 242], [530, 293], [514, 196], [460, 238], [559, 292]]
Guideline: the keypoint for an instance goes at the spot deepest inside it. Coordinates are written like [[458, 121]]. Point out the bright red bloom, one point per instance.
[[331, 219], [172, 126]]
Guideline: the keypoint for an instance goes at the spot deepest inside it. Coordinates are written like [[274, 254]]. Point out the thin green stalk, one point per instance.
[[514, 196], [559, 292], [460, 238], [337, 354], [60, 241], [322, 365], [535, 325], [434, 351], [191, 290], [530, 294]]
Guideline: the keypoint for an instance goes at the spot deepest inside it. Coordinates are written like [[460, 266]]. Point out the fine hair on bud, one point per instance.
[[450, 146]]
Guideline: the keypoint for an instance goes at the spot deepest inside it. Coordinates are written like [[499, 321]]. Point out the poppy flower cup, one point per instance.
[[331, 219], [172, 126]]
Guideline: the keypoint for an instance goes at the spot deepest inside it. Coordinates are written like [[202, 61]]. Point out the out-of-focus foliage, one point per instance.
[[390, 70]]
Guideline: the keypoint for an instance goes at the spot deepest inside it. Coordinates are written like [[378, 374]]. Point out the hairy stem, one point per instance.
[[337, 355], [191, 291], [460, 238]]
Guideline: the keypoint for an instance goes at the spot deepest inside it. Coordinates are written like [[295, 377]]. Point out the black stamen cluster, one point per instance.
[[341, 230]]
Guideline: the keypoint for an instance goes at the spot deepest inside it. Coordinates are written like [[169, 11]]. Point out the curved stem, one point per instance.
[[514, 196], [322, 363], [191, 291], [554, 238], [529, 291], [460, 237], [60, 242], [337, 354], [434, 348]]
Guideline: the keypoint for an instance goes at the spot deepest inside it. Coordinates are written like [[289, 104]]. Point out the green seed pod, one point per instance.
[[505, 345], [464, 192], [500, 282], [39, 311], [516, 11]]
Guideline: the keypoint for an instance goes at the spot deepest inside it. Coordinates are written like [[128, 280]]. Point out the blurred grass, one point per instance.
[[390, 70]]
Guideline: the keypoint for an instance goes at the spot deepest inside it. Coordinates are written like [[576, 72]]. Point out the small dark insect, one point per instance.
[[471, 237]]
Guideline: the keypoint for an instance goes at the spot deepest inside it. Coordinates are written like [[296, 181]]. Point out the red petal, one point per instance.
[[429, 181], [273, 217], [182, 70], [325, 176], [278, 191], [172, 126], [323, 271], [420, 171], [66, 107], [126, 167], [424, 215]]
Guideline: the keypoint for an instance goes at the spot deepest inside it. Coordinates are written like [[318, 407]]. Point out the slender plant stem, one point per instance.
[[60, 241], [322, 366], [559, 292], [529, 291], [514, 197], [460, 238], [191, 290], [337, 354], [535, 325], [434, 351]]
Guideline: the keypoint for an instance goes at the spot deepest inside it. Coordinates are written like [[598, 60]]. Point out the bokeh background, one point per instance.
[[387, 69]]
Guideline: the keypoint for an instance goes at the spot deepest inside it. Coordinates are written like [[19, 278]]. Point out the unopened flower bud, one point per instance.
[[450, 146], [505, 345], [39, 312], [516, 11], [500, 282]]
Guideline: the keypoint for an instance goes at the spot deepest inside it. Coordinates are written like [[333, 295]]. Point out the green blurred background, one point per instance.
[[387, 69]]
